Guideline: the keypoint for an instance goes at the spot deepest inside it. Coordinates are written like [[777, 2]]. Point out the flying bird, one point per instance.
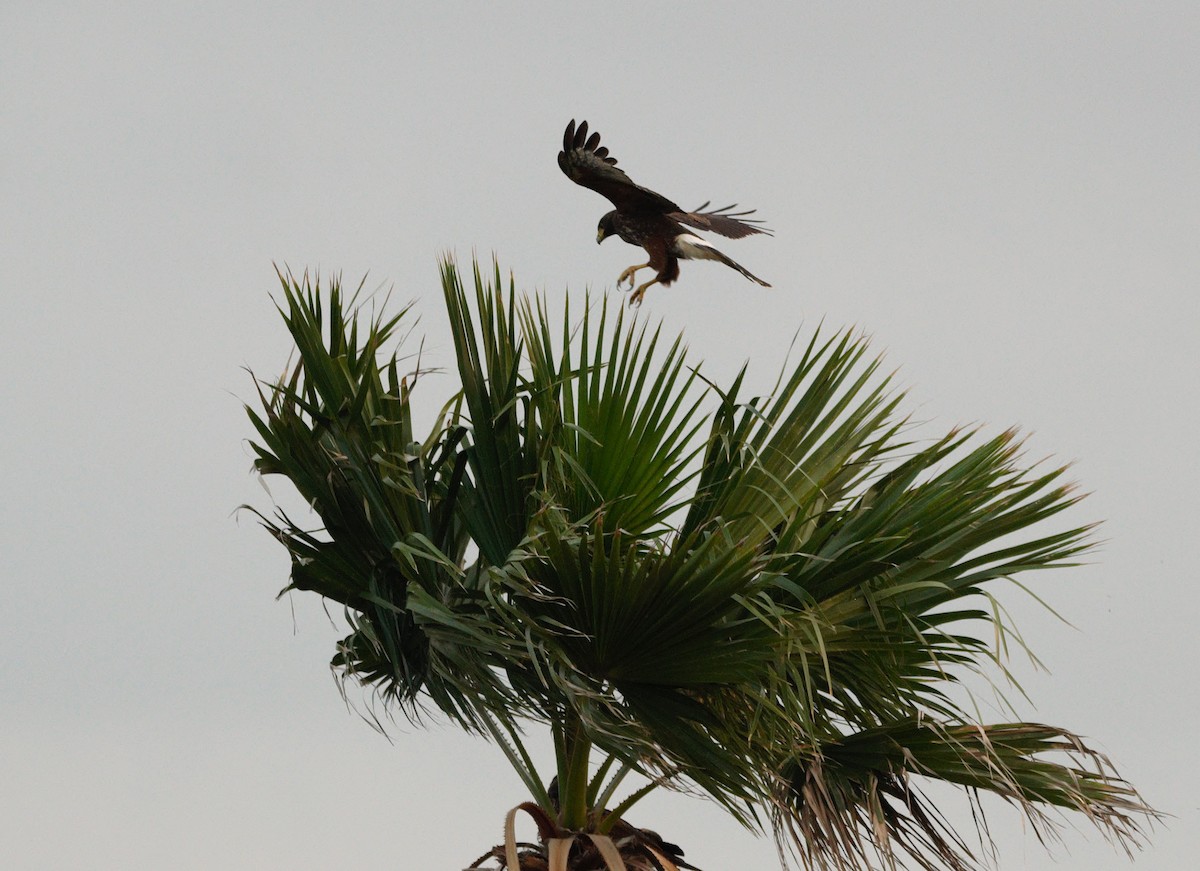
[[644, 218]]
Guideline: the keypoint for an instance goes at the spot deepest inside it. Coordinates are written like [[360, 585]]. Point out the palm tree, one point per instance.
[[770, 600]]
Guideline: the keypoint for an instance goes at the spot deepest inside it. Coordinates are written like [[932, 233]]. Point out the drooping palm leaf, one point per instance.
[[835, 803]]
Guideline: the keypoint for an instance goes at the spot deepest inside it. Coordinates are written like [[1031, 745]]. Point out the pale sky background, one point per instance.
[[1006, 196]]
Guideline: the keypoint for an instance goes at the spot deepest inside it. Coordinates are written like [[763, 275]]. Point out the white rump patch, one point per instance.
[[691, 247]]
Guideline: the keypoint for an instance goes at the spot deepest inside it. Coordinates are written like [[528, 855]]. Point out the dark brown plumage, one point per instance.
[[643, 217]]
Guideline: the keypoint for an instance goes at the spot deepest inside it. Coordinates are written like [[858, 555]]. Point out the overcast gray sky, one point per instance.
[[1006, 196]]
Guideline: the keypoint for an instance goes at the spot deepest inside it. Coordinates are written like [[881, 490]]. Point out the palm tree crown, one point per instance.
[[764, 598]]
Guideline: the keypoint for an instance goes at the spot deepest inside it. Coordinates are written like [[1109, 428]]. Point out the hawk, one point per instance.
[[644, 218]]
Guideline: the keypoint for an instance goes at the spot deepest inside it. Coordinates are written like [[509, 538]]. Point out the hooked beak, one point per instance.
[[600, 236]]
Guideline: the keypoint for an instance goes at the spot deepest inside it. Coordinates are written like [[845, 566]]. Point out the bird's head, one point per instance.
[[607, 227]]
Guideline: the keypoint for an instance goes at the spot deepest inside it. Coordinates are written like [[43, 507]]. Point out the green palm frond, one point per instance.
[[625, 417], [896, 576], [647, 638], [771, 599], [856, 799], [775, 464], [502, 457]]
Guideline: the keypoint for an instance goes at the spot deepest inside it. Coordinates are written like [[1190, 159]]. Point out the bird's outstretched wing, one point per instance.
[[586, 162], [735, 225]]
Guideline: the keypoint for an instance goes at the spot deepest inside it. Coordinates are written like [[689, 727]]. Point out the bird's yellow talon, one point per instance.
[[636, 298], [629, 273]]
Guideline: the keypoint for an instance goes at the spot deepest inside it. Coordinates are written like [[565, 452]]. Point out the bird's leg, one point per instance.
[[628, 274], [636, 298]]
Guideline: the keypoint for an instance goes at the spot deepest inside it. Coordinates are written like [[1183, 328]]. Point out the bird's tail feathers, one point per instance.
[[691, 247]]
